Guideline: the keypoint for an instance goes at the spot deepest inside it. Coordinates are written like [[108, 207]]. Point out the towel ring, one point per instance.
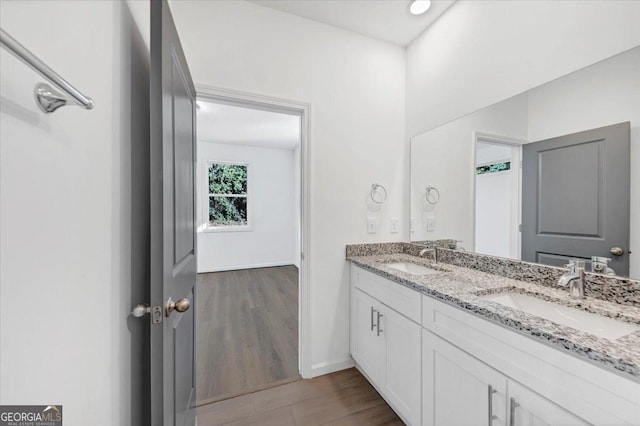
[[431, 199], [376, 196]]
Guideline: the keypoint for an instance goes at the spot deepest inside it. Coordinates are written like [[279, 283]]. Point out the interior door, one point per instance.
[[173, 230], [575, 197]]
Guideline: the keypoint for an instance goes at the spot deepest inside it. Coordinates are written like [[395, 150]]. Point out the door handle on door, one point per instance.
[[616, 251], [143, 309], [181, 305]]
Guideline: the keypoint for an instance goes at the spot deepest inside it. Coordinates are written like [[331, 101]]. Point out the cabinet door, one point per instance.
[[401, 364], [527, 408], [366, 345], [458, 389]]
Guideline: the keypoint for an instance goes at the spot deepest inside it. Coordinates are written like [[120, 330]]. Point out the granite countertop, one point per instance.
[[463, 288]]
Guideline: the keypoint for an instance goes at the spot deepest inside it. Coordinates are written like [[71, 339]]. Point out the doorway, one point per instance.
[[250, 240], [497, 196]]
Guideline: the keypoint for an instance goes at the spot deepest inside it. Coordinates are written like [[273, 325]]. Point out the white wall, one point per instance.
[[444, 157], [493, 214], [599, 95], [356, 89], [481, 52], [273, 233], [73, 215], [497, 214]]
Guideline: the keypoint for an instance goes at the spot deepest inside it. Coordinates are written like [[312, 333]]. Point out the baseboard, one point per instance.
[[323, 368], [239, 267]]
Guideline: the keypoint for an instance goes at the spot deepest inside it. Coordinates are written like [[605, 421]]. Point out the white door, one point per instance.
[[366, 344], [527, 408], [401, 364], [458, 389]]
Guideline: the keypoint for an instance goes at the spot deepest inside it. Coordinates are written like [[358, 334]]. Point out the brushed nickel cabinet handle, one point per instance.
[[490, 392], [378, 324], [372, 312], [512, 412]]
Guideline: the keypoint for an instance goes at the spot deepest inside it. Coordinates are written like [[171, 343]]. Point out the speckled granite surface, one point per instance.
[[463, 287], [610, 288]]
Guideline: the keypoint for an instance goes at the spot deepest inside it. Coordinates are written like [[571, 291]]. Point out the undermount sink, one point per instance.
[[580, 320], [412, 268]]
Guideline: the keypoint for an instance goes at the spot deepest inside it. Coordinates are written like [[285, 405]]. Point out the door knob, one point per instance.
[[616, 251], [181, 305]]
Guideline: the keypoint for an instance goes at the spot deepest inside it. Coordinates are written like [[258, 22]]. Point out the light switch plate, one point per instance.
[[372, 225], [394, 225]]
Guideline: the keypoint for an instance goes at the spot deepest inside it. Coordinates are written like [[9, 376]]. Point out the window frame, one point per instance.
[[207, 196]]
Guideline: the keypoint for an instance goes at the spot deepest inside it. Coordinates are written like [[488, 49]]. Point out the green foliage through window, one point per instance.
[[227, 194], [493, 168]]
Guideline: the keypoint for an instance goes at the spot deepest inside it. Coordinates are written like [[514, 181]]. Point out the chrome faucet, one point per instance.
[[431, 251], [574, 279], [600, 265]]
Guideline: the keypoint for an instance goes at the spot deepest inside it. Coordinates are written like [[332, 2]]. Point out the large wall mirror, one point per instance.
[[547, 176]]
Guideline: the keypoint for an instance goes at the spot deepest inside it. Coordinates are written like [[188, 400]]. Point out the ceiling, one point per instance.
[[387, 20], [229, 124]]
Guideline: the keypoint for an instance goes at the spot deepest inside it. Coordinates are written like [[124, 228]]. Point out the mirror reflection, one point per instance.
[[547, 176]]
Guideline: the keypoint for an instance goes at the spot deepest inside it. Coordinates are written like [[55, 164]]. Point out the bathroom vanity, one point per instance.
[[446, 344]]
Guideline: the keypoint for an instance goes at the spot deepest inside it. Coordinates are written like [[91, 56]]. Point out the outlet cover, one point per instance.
[[431, 224], [394, 225]]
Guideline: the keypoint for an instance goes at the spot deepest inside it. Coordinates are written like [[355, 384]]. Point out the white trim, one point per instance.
[[323, 368], [303, 109], [254, 266], [517, 199]]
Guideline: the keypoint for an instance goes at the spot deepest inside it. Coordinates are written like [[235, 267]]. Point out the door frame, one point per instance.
[[303, 109], [482, 137]]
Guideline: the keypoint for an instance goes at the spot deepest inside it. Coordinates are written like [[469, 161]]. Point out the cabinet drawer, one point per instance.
[[394, 295], [598, 396]]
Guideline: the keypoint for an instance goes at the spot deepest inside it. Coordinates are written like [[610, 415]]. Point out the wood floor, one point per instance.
[[247, 331], [340, 399]]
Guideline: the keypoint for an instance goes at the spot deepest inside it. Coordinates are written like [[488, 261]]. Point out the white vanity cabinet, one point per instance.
[[437, 364], [386, 344], [527, 408], [366, 345], [458, 390], [544, 385]]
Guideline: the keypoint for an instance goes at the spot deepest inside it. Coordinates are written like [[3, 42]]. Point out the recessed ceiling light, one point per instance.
[[418, 7]]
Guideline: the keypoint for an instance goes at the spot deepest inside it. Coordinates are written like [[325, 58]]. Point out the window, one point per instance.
[[227, 195], [493, 168]]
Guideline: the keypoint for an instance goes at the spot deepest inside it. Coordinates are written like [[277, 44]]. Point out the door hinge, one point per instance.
[[520, 228], [143, 309]]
